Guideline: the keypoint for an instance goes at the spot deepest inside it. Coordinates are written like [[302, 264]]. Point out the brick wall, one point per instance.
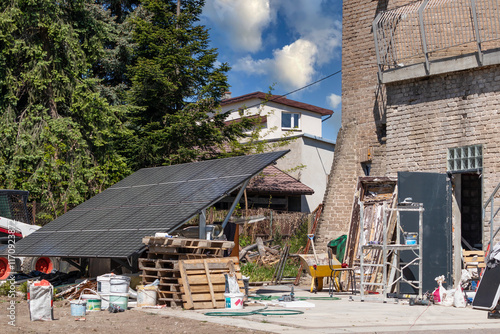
[[426, 117], [362, 118]]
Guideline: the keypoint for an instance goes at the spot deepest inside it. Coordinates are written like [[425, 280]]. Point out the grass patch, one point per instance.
[[262, 273]]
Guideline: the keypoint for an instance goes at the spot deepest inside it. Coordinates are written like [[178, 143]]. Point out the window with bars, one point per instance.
[[465, 158]]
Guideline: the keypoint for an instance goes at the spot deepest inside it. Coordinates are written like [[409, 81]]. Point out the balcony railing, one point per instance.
[[429, 30]]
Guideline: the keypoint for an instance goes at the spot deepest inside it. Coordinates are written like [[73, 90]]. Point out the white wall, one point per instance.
[[317, 157], [315, 154], [310, 122]]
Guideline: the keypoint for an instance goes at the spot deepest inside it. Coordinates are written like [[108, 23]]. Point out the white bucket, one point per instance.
[[146, 295], [119, 284], [103, 283], [93, 302], [119, 299], [234, 300], [104, 301]]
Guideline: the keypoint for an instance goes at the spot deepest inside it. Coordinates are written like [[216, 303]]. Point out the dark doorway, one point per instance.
[[470, 209]]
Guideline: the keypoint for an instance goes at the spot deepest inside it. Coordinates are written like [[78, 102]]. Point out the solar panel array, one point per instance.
[[160, 199]]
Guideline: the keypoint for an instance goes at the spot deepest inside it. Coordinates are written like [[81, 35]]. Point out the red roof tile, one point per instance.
[[274, 181], [280, 100]]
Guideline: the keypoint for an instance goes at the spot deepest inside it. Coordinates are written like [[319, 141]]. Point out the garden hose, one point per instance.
[[261, 297], [261, 311]]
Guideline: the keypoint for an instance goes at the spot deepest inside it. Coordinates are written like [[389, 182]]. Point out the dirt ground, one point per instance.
[[128, 322]]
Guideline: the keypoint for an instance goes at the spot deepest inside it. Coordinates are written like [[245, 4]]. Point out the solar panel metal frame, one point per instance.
[[113, 223]]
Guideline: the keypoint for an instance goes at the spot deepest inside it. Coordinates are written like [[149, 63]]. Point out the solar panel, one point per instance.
[[159, 199]]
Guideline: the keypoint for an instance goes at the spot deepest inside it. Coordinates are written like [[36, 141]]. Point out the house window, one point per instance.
[[290, 120], [465, 158]]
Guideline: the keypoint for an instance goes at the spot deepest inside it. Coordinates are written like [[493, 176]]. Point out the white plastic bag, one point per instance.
[[459, 298], [232, 284], [449, 297]]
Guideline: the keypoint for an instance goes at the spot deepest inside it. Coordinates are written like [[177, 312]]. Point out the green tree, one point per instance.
[[175, 87], [57, 131]]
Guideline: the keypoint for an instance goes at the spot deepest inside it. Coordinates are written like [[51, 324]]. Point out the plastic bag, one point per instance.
[[231, 284], [465, 278], [439, 293], [448, 297], [459, 298]]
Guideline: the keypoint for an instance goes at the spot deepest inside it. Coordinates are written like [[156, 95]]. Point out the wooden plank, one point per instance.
[[202, 280], [205, 289], [206, 297], [185, 283], [215, 264], [208, 305], [212, 294]]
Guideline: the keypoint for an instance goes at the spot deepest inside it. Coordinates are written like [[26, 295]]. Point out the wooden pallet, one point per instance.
[[162, 260], [187, 243], [203, 281]]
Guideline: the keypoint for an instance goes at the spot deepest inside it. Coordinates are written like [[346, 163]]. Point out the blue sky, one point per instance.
[[286, 44]]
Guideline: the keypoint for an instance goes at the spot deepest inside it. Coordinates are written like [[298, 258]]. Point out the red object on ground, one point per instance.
[[344, 265]]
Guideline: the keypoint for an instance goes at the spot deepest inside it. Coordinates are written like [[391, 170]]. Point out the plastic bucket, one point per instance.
[[78, 308], [234, 300], [119, 284], [104, 301], [146, 295], [103, 283], [119, 299], [93, 302]]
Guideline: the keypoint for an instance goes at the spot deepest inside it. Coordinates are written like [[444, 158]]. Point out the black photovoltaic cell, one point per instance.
[[113, 223]]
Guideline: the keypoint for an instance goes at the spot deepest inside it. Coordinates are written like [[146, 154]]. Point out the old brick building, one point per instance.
[[424, 96]]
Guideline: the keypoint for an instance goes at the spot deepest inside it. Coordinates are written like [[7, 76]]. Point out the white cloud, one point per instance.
[[334, 100], [313, 37], [242, 20], [291, 67], [294, 64], [309, 20]]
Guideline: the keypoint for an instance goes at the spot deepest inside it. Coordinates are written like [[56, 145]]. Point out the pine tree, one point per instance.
[[175, 86], [57, 130]]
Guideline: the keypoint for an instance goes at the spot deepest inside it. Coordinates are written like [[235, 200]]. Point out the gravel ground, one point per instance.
[[128, 322]]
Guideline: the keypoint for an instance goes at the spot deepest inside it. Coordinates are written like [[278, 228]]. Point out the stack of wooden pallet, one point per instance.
[[162, 262]]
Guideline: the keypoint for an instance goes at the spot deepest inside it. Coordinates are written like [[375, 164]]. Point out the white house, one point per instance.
[[285, 118]]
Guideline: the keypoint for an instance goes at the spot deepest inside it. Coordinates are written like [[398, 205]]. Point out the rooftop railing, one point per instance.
[[428, 30]]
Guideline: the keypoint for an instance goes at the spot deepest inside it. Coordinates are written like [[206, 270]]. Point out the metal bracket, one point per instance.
[[233, 206]]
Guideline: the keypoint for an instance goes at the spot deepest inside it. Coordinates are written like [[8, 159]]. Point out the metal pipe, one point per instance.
[[233, 206]]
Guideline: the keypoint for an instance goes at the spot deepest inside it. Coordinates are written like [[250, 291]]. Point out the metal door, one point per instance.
[[434, 191]]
